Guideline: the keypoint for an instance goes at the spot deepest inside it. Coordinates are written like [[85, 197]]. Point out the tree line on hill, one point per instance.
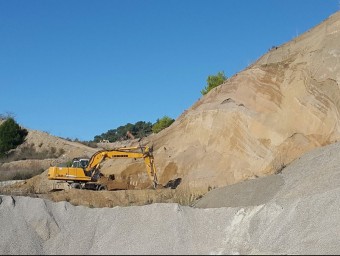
[[12, 134], [138, 130]]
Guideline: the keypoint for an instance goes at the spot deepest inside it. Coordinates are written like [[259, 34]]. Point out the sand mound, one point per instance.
[[284, 105]]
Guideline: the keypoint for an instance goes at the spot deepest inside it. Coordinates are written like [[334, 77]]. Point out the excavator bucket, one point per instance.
[[173, 184]]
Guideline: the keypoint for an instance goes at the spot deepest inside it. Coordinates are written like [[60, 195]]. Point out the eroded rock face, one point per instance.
[[261, 119]]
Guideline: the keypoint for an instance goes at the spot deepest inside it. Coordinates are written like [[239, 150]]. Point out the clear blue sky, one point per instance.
[[77, 68]]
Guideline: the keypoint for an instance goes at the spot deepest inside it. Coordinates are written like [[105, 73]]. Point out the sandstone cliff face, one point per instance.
[[261, 119]]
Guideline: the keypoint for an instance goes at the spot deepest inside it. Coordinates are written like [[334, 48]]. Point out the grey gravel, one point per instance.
[[295, 212]]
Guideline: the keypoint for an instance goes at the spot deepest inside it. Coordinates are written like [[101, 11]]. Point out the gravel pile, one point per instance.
[[295, 212]]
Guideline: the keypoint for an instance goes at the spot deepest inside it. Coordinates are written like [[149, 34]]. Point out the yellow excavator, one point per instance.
[[85, 173]]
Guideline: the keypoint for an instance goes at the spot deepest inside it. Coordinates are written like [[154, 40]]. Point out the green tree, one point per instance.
[[11, 135], [138, 130], [214, 81], [142, 129], [162, 123]]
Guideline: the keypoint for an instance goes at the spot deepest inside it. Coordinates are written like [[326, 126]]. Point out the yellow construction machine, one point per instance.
[[85, 173]]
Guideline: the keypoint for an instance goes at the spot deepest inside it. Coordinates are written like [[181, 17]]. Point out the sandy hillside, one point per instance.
[[262, 118], [294, 212]]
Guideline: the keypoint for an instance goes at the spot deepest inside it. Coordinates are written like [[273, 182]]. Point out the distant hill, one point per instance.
[[41, 150]]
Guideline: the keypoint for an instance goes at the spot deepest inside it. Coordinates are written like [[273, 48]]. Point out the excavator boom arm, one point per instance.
[[151, 169], [91, 172], [130, 152]]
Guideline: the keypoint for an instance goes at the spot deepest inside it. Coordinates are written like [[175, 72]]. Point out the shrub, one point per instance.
[[162, 123], [11, 136], [28, 151], [138, 130], [214, 81]]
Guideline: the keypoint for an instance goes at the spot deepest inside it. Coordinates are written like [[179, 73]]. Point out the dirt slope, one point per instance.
[[261, 119], [40, 151]]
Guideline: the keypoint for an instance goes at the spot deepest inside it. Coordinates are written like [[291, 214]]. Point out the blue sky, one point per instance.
[[77, 68]]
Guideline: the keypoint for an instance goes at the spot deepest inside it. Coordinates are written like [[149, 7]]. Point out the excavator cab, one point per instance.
[[80, 162]]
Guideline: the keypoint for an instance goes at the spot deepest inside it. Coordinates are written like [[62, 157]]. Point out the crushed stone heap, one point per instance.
[[298, 215]]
